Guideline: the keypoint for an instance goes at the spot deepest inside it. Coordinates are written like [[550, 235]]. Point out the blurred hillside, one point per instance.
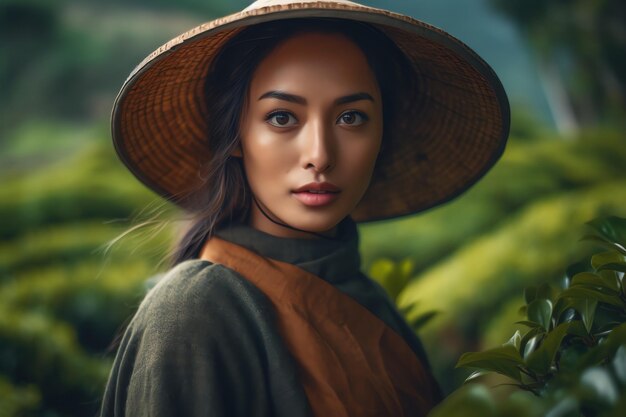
[[65, 294]]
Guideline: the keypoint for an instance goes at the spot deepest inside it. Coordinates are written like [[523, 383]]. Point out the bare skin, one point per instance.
[[310, 134]]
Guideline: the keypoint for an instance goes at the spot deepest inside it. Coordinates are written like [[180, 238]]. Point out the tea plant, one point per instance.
[[572, 356]]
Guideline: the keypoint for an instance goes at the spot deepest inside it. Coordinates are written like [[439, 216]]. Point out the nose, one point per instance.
[[319, 150]]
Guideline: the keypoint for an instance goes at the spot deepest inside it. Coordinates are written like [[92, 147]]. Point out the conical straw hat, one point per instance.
[[453, 136]]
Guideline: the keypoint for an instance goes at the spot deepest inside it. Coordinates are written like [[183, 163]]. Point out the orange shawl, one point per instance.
[[351, 364]]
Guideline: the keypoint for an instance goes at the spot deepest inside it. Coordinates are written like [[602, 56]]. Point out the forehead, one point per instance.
[[325, 60]]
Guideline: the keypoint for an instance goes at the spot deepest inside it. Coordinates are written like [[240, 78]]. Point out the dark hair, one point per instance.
[[224, 195]]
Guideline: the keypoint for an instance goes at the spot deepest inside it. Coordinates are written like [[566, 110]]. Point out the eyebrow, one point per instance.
[[354, 97], [281, 95]]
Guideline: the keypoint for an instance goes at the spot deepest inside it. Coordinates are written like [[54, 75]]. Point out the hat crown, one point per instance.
[[269, 3]]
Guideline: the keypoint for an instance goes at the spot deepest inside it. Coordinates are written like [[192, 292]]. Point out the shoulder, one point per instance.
[[196, 345], [195, 283], [195, 277], [199, 298]]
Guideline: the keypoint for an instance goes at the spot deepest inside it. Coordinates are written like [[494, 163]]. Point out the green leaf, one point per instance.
[[610, 228], [540, 311], [503, 360], [607, 318], [530, 294], [406, 269], [541, 359], [567, 317], [618, 267], [523, 310], [385, 272], [561, 306], [523, 404], [515, 340], [619, 363], [570, 357], [587, 279], [615, 277], [473, 400], [617, 338], [406, 309], [599, 383], [533, 336], [578, 328], [392, 276], [577, 268], [527, 323], [586, 307], [602, 242], [531, 345], [545, 291], [589, 293], [599, 354], [600, 259], [421, 320], [475, 375]]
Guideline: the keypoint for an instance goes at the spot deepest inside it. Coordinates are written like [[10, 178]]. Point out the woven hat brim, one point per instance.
[[451, 136]]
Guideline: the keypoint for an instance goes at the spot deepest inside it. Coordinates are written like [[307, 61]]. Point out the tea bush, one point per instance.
[[477, 280], [572, 354]]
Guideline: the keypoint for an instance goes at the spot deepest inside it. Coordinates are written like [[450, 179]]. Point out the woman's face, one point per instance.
[[310, 134]]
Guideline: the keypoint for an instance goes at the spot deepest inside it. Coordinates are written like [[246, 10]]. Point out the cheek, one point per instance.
[[362, 157], [265, 161]]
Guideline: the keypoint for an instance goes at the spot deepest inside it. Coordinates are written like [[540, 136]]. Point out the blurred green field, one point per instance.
[[64, 296]]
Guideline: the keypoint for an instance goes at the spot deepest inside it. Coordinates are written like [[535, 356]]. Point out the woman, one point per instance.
[[276, 128]]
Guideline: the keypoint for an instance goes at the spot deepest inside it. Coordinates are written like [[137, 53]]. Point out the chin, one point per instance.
[[318, 223]]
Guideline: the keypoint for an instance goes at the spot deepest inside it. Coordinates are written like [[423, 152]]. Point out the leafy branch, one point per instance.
[[574, 345]]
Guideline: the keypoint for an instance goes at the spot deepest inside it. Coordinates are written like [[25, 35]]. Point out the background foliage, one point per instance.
[[64, 294]]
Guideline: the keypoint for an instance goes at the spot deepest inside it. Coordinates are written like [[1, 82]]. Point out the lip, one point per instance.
[[318, 186], [317, 194]]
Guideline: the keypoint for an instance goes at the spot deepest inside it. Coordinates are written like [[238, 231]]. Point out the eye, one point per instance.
[[352, 118], [281, 119]]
